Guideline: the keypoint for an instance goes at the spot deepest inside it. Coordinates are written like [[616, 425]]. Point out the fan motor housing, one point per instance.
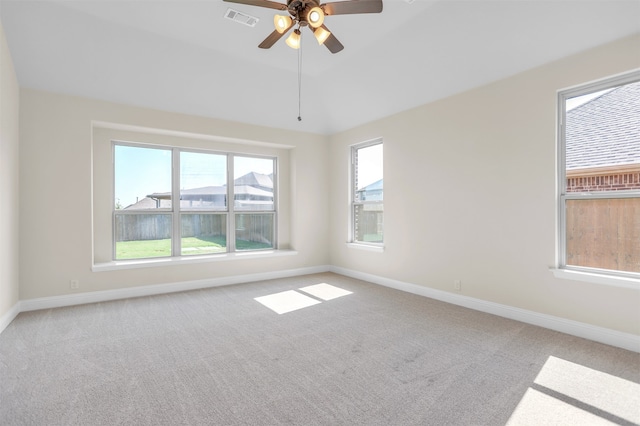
[[299, 8]]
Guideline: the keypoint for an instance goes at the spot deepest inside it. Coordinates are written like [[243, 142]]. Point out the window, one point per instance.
[[367, 211], [253, 203], [599, 177], [142, 217], [148, 222], [203, 203]]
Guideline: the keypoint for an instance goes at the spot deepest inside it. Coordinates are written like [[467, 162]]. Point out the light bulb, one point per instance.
[[315, 17]]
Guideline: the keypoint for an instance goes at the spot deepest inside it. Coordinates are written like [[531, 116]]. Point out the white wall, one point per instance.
[[470, 194], [9, 220], [57, 193]]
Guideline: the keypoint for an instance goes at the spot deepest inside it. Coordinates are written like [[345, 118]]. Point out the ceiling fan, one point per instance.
[[310, 13]]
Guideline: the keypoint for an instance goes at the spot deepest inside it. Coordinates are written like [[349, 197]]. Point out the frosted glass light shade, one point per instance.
[[281, 23], [293, 41], [321, 34]]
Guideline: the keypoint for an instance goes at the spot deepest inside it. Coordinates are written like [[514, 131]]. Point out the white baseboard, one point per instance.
[[599, 334], [151, 290], [11, 314]]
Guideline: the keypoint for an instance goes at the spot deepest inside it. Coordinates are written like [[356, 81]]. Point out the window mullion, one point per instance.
[[562, 183], [231, 217], [276, 202], [601, 195], [562, 230], [176, 238], [353, 184]]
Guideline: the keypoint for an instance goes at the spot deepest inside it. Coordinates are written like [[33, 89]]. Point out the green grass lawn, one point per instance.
[[203, 245], [190, 246], [372, 238], [143, 249]]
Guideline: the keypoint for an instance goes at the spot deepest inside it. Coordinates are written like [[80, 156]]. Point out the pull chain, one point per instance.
[[300, 79]]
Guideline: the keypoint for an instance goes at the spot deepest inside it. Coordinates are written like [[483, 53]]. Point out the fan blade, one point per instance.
[[332, 42], [353, 6], [273, 37], [261, 3]]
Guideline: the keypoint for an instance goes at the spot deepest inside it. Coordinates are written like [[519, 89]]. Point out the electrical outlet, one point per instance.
[[457, 285], [74, 284]]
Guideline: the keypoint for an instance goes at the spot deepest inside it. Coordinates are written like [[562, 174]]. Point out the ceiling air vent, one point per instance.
[[242, 18]]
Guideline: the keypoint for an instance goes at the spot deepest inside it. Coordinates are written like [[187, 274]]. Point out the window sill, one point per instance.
[[367, 247], [596, 278], [118, 265]]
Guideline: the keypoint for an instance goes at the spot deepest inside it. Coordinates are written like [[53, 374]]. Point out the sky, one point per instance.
[[579, 100], [369, 165], [142, 171]]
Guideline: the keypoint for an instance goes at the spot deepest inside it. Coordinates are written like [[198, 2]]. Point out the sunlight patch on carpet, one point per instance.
[[325, 291], [286, 301], [568, 393], [537, 408], [609, 393]]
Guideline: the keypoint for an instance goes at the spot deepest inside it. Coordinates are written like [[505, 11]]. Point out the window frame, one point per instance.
[[177, 228], [233, 211], [352, 196], [176, 211], [563, 196]]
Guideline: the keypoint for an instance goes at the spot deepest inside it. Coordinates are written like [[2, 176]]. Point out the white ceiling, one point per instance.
[[184, 56]]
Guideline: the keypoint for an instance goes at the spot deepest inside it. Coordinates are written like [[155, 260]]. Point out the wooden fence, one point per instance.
[[604, 233], [368, 225], [203, 225], [257, 228], [138, 227]]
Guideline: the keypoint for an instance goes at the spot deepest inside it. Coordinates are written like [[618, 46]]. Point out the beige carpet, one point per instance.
[[314, 350]]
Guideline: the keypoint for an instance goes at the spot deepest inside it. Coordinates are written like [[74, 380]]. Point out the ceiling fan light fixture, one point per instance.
[[315, 17], [293, 41], [321, 34], [282, 23]]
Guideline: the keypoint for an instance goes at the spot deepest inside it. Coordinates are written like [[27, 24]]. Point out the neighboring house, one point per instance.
[[609, 121], [248, 197], [371, 192], [251, 190], [256, 180]]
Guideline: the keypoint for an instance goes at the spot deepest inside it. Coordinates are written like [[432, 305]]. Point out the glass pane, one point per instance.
[[368, 174], [203, 234], [142, 178], [604, 233], [601, 137], [368, 223], [254, 231], [203, 181], [253, 178], [140, 236]]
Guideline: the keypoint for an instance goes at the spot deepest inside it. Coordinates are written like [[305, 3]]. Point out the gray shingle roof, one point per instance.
[[250, 190], [144, 204], [255, 179], [606, 130]]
